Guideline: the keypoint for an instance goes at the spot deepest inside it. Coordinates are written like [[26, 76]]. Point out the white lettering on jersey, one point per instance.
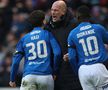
[[37, 53], [87, 46], [91, 59], [34, 62], [85, 27], [35, 37], [35, 32], [79, 35]]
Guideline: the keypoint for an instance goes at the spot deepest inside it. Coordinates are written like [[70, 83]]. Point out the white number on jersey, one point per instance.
[[39, 53], [88, 48]]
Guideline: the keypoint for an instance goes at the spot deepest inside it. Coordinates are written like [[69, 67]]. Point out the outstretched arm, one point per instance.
[[15, 63]]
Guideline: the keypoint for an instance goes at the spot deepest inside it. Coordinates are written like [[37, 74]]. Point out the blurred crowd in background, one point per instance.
[[13, 15]]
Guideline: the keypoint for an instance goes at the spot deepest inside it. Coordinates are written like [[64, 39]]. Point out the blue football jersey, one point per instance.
[[86, 42], [37, 48]]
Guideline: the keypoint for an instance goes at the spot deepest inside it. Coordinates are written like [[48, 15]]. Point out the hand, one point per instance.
[[12, 84], [54, 77], [106, 46], [66, 57]]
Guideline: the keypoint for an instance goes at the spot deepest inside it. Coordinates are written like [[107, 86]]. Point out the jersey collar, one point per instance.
[[37, 28], [84, 23]]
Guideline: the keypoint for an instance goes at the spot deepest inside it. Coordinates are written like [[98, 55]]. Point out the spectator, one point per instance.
[[11, 41], [5, 70], [5, 19], [18, 24]]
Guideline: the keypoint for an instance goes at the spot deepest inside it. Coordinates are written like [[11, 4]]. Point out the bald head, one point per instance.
[[61, 4], [58, 9]]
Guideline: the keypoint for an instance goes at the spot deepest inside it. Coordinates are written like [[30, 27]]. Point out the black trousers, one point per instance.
[[66, 79]]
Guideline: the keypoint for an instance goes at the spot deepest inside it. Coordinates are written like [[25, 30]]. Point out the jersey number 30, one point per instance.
[[88, 49], [39, 53]]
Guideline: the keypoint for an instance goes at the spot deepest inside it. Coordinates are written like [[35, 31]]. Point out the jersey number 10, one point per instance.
[[39, 53], [88, 49]]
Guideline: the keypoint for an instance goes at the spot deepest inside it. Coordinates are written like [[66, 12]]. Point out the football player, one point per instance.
[[86, 42], [37, 47]]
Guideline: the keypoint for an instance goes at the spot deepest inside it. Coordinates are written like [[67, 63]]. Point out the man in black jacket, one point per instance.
[[60, 24]]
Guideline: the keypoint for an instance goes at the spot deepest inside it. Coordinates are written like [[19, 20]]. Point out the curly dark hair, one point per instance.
[[36, 18], [83, 12]]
